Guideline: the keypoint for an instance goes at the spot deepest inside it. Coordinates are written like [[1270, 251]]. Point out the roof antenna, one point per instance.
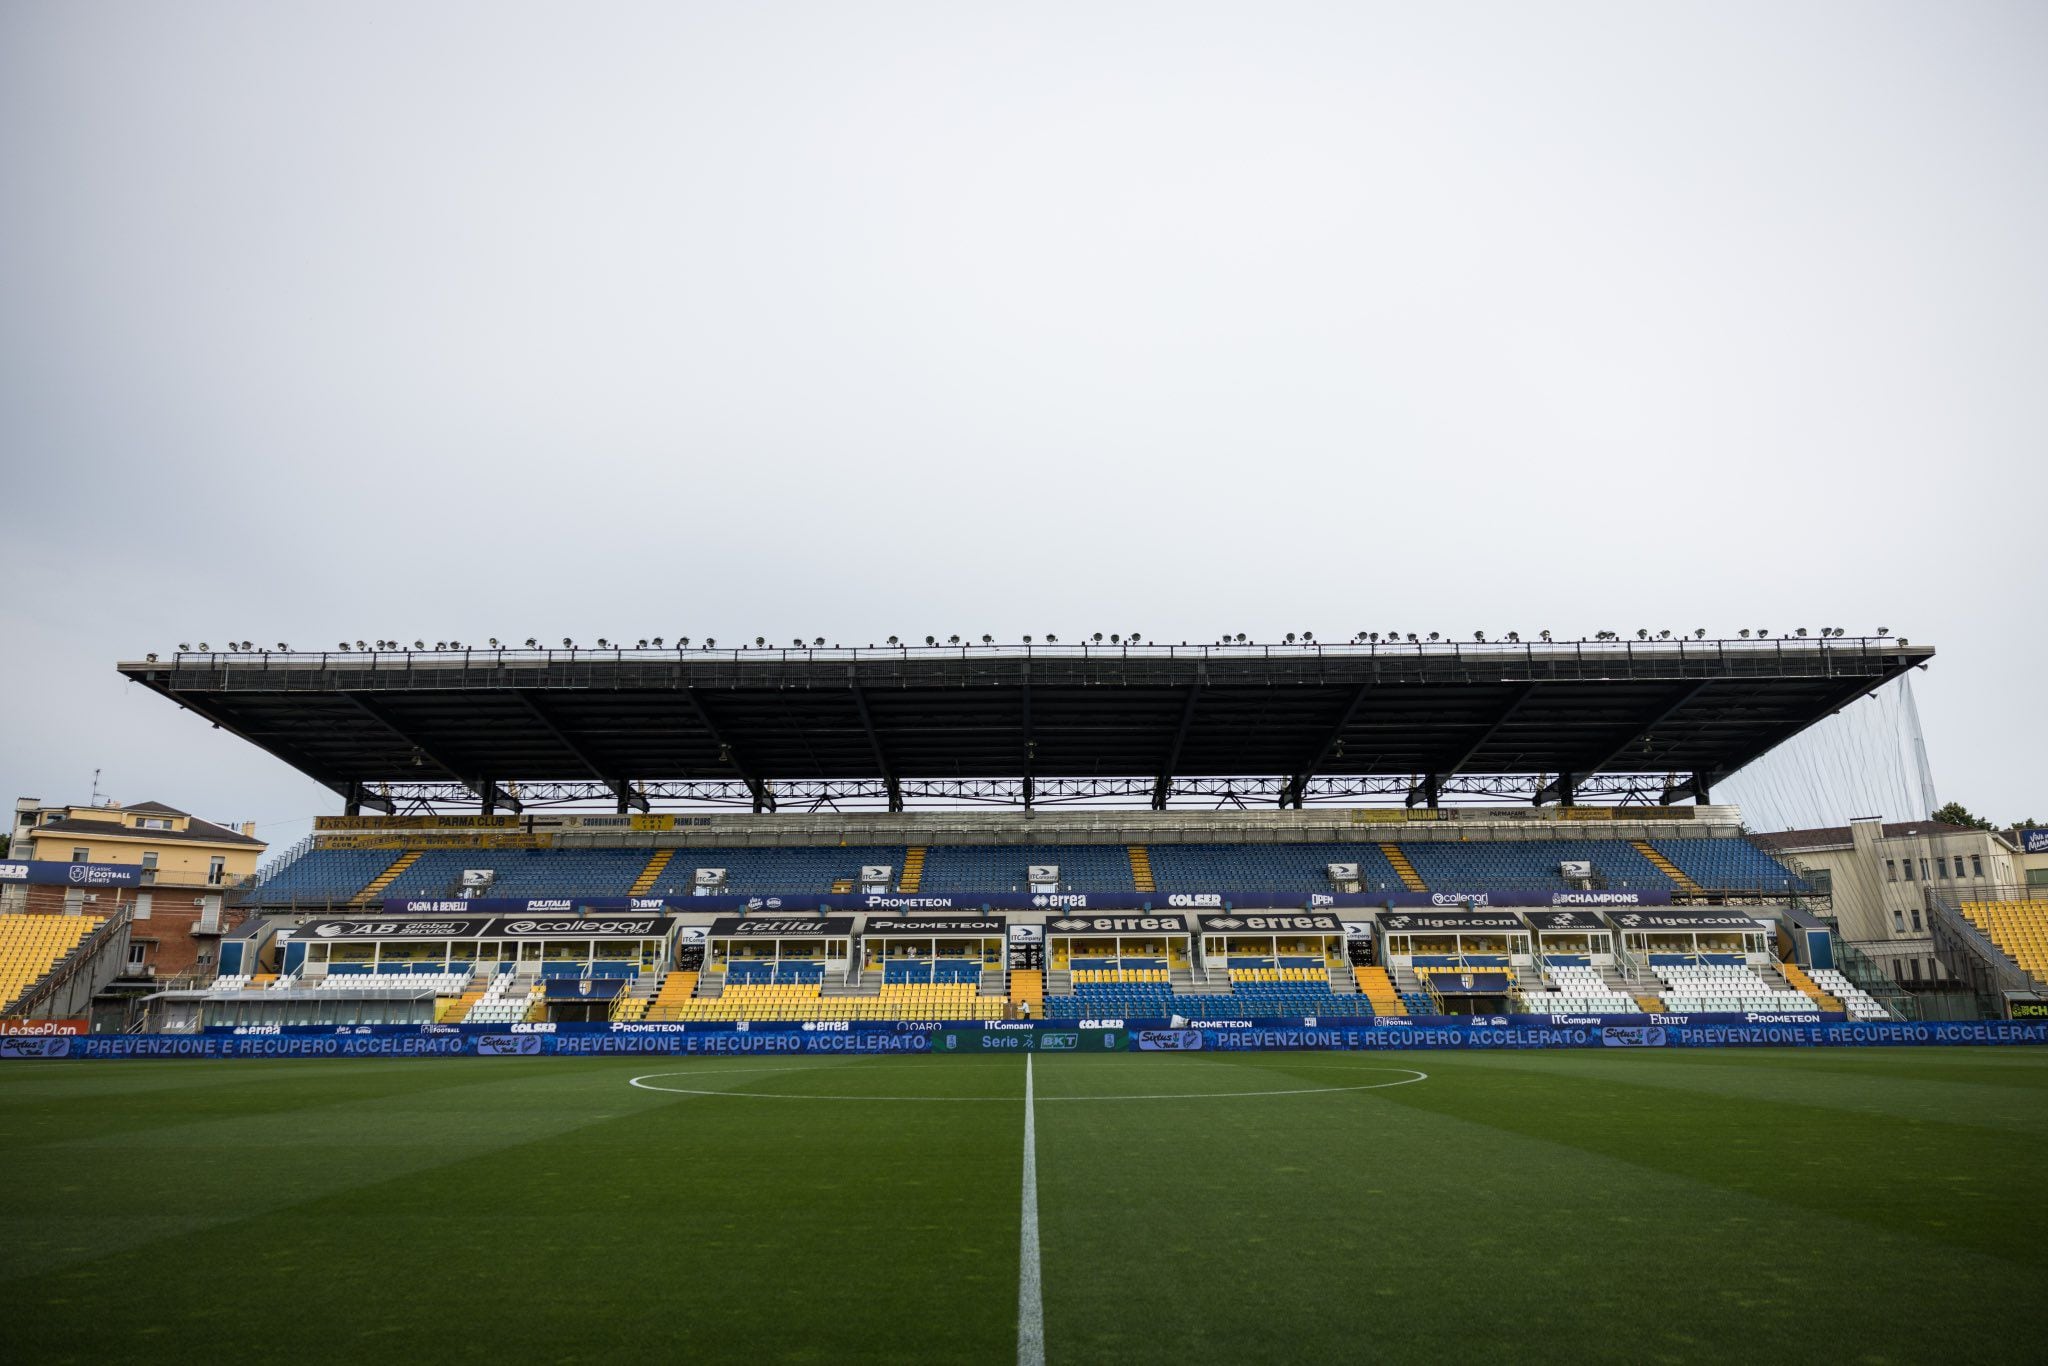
[[95, 788]]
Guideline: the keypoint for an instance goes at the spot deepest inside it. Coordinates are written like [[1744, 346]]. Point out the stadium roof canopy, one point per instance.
[[1542, 722]]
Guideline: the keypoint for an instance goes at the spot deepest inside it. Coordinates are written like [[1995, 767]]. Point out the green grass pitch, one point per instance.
[[1820, 1206]]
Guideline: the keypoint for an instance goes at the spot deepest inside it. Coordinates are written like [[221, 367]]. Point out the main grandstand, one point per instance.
[[1376, 829]]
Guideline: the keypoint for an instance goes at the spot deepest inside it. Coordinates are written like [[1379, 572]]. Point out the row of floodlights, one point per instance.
[[1115, 638]]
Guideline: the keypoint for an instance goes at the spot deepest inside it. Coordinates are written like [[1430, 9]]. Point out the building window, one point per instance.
[[1941, 866], [74, 900], [81, 855], [153, 823], [1976, 865], [1916, 920], [1923, 870], [149, 865], [1891, 871], [1916, 969], [1823, 880], [138, 955], [143, 902], [1898, 921], [1907, 864], [2037, 877], [216, 868]]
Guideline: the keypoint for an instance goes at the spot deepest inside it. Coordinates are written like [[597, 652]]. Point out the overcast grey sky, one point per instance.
[[849, 319]]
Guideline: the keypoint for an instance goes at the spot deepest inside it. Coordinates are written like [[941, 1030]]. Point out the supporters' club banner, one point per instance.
[[1449, 922], [926, 926], [1684, 920], [1272, 922], [70, 874], [782, 927], [2033, 841], [1117, 924], [1567, 922]]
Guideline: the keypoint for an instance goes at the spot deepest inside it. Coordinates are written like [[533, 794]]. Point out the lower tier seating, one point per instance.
[[1723, 987], [1576, 990], [1858, 1003]]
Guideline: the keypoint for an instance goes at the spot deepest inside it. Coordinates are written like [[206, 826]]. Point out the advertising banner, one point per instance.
[[782, 927], [1364, 1035], [1449, 922], [1684, 920], [20, 1028], [1567, 922], [1117, 924], [1272, 922], [927, 926], [43, 872]]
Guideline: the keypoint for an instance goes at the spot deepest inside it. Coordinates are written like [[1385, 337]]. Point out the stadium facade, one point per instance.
[[889, 838]]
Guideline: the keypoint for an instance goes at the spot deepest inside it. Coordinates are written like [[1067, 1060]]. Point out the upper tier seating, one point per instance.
[[1724, 987], [523, 872], [1734, 864], [1447, 866], [1858, 1003], [323, 875], [768, 872], [1266, 867], [1006, 867], [31, 945], [335, 875]]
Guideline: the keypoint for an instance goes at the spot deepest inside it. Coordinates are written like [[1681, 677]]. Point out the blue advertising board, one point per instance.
[[1362, 1035], [70, 874], [731, 903]]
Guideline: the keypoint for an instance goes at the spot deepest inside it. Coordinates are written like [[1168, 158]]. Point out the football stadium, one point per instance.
[[1397, 999]]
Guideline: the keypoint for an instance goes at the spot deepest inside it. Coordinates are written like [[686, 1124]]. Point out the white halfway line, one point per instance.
[[1030, 1293]]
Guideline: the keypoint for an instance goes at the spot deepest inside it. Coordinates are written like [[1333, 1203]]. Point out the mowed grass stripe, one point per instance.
[[721, 1228], [1409, 1223], [1955, 1184]]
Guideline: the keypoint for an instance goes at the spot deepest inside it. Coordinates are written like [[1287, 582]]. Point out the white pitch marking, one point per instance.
[[645, 1084], [1030, 1293]]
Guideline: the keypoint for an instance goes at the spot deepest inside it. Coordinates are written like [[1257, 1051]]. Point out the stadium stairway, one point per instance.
[[913, 869], [1800, 982], [455, 1009], [1666, 867], [1027, 986], [371, 894], [1141, 868], [1397, 858], [645, 882], [1378, 988], [676, 988]]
